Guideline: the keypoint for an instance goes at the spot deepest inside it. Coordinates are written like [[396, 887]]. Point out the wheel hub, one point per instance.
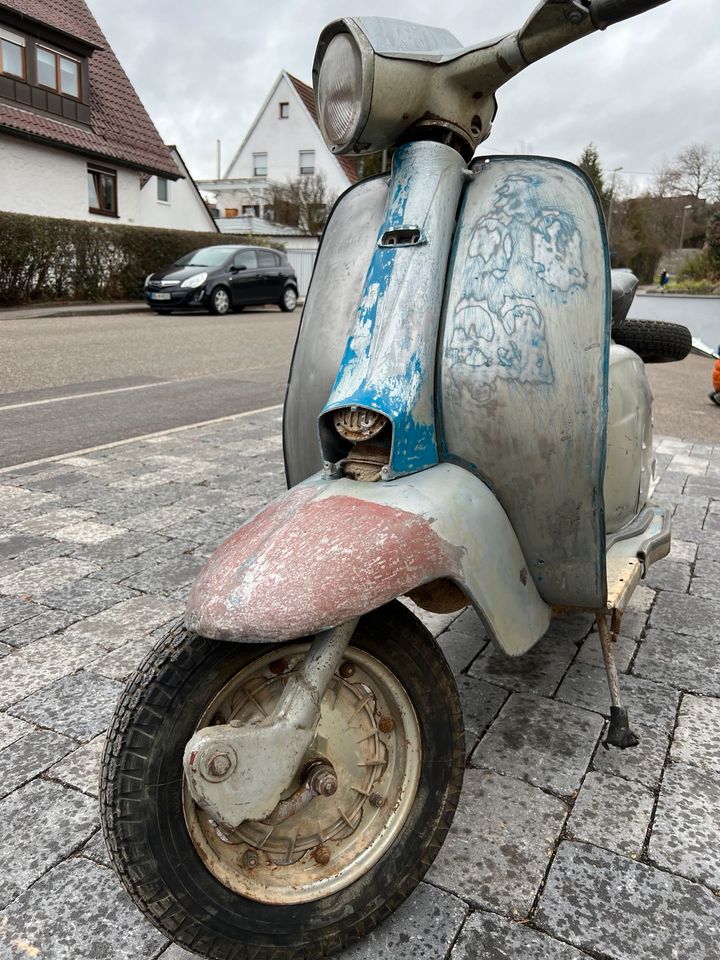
[[368, 736]]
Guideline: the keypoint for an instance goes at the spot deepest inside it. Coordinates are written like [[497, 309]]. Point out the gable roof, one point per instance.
[[306, 94], [120, 128]]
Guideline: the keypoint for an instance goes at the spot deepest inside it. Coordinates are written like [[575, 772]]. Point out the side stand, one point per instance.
[[619, 732]]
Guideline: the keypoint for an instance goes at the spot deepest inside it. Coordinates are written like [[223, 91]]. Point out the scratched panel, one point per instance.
[[523, 380]]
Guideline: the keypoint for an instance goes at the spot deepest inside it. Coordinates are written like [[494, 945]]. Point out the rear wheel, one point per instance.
[[654, 341], [391, 726], [220, 301], [288, 301]]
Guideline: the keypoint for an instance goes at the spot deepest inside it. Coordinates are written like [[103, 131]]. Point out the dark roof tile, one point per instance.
[[349, 164]]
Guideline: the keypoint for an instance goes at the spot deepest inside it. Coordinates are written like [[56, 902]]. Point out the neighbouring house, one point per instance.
[[75, 139], [283, 144]]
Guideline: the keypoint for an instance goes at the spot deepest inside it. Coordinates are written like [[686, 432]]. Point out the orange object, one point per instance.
[[716, 376]]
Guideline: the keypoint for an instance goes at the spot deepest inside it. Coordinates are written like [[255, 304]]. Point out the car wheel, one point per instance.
[[220, 301], [326, 875], [288, 302]]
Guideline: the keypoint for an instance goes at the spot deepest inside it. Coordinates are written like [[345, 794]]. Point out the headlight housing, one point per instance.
[[194, 282], [339, 90], [147, 279]]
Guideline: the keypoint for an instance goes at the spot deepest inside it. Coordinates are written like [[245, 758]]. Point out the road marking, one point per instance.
[[142, 436], [81, 396]]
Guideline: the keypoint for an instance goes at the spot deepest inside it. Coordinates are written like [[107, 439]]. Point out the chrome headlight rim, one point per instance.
[[347, 26]]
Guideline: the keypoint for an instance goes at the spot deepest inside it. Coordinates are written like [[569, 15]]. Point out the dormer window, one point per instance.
[[12, 55], [58, 72]]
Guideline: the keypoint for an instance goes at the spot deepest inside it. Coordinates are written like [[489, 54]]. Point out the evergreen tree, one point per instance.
[[590, 163]]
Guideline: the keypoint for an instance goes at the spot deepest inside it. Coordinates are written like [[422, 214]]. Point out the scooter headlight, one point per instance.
[[339, 90]]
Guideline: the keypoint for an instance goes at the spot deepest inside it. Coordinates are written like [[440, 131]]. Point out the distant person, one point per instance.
[[715, 395], [664, 280]]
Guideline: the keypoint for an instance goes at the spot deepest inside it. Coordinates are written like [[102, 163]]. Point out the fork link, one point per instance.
[[619, 733]]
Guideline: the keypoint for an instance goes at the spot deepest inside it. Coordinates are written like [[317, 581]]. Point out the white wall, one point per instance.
[[184, 209], [53, 183], [283, 139]]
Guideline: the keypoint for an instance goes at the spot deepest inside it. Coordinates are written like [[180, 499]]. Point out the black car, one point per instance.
[[223, 278]]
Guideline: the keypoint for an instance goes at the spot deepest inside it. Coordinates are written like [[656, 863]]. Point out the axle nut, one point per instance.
[[325, 784], [321, 855], [219, 765]]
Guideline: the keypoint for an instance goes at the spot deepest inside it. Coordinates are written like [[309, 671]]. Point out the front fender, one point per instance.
[[331, 550]]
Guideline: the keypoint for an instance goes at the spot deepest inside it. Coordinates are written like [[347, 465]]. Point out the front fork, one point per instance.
[[239, 772]]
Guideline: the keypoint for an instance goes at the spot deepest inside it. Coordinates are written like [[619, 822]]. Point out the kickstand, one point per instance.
[[619, 733]]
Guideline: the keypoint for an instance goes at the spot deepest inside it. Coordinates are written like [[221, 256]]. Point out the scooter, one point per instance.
[[459, 429]]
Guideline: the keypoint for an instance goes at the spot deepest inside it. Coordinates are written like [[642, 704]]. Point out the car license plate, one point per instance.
[[160, 296]]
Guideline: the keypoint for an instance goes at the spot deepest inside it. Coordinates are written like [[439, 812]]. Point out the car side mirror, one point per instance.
[[235, 269]]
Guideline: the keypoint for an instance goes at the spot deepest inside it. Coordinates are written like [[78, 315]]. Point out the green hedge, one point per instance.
[[44, 258]]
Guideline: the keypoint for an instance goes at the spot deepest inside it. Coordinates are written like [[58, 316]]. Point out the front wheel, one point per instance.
[[220, 301], [310, 885], [288, 301]]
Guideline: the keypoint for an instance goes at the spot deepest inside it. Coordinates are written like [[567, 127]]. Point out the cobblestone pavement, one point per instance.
[[560, 849]]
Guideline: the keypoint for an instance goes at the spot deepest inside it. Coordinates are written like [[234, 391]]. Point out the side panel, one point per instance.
[[523, 364], [328, 317]]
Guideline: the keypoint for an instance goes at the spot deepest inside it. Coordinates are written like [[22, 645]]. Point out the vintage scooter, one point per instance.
[[459, 429]]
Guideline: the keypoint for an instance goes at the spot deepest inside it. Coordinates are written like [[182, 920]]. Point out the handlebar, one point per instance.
[[606, 12]]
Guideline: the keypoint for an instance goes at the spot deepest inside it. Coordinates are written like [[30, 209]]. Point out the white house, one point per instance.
[[283, 143], [75, 140]]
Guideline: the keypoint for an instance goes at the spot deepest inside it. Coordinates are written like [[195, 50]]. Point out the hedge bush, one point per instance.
[[44, 258]]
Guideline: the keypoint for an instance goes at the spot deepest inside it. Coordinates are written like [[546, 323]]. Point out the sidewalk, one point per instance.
[[29, 311], [561, 850]]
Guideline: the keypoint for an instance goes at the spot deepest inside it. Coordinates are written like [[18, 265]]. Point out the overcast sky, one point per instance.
[[640, 91]]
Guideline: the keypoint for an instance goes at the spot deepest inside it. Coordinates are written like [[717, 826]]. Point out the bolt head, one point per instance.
[[386, 724], [279, 666], [321, 855], [346, 670], [377, 800], [250, 859], [219, 764]]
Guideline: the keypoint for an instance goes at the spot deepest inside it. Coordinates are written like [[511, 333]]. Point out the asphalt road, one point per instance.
[[70, 383]]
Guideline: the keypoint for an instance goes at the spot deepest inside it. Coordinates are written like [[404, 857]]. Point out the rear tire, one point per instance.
[[288, 301], [144, 818], [654, 341]]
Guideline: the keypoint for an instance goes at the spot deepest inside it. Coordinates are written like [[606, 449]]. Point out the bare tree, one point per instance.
[[694, 172], [303, 203]]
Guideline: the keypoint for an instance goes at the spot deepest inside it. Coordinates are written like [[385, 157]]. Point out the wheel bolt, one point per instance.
[[386, 725], [321, 855], [250, 859], [346, 670], [377, 800]]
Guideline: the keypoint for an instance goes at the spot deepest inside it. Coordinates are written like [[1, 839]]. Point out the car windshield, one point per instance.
[[205, 257]]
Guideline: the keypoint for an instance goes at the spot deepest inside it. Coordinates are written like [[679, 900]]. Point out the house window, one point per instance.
[[163, 190], [58, 72], [259, 164], [102, 191], [250, 210], [307, 161], [12, 54], [284, 110]]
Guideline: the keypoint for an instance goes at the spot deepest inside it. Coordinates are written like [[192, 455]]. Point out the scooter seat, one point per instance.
[[624, 284]]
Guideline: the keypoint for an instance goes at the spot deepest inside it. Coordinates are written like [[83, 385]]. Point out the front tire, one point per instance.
[[220, 302], [189, 892], [288, 301]]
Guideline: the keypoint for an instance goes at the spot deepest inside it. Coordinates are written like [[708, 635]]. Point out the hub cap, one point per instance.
[[222, 301], [290, 299], [368, 731]]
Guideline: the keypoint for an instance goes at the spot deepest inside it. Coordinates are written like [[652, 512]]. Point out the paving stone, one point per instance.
[[423, 928], [20, 677], [591, 652], [15, 499], [481, 703], [79, 651], [16, 610], [120, 548], [148, 561], [488, 937], [47, 523], [669, 575], [15, 544], [462, 643], [648, 703], [706, 579], [46, 575], [87, 596], [709, 549], [158, 519], [500, 843], [624, 910], [643, 763], [11, 729], [686, 829], [436, 623], [683, 550], [80, 705], [41, 824], [77, 911], [696, 739], [29, 755], [542, 742], [180, 573], [121, 663], [96, 850], [81, 768], [5, 649], [692, 616], [687, 663], [612, 813], [538, 671], [642, 599], [46, 624], [88, 531]]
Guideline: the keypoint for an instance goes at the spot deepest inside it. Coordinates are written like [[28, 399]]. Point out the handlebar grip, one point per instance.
[[606, 12]]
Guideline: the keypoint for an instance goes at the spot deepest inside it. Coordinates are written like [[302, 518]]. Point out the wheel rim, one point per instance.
[[221, 301], [369, 732], [290, 299]]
